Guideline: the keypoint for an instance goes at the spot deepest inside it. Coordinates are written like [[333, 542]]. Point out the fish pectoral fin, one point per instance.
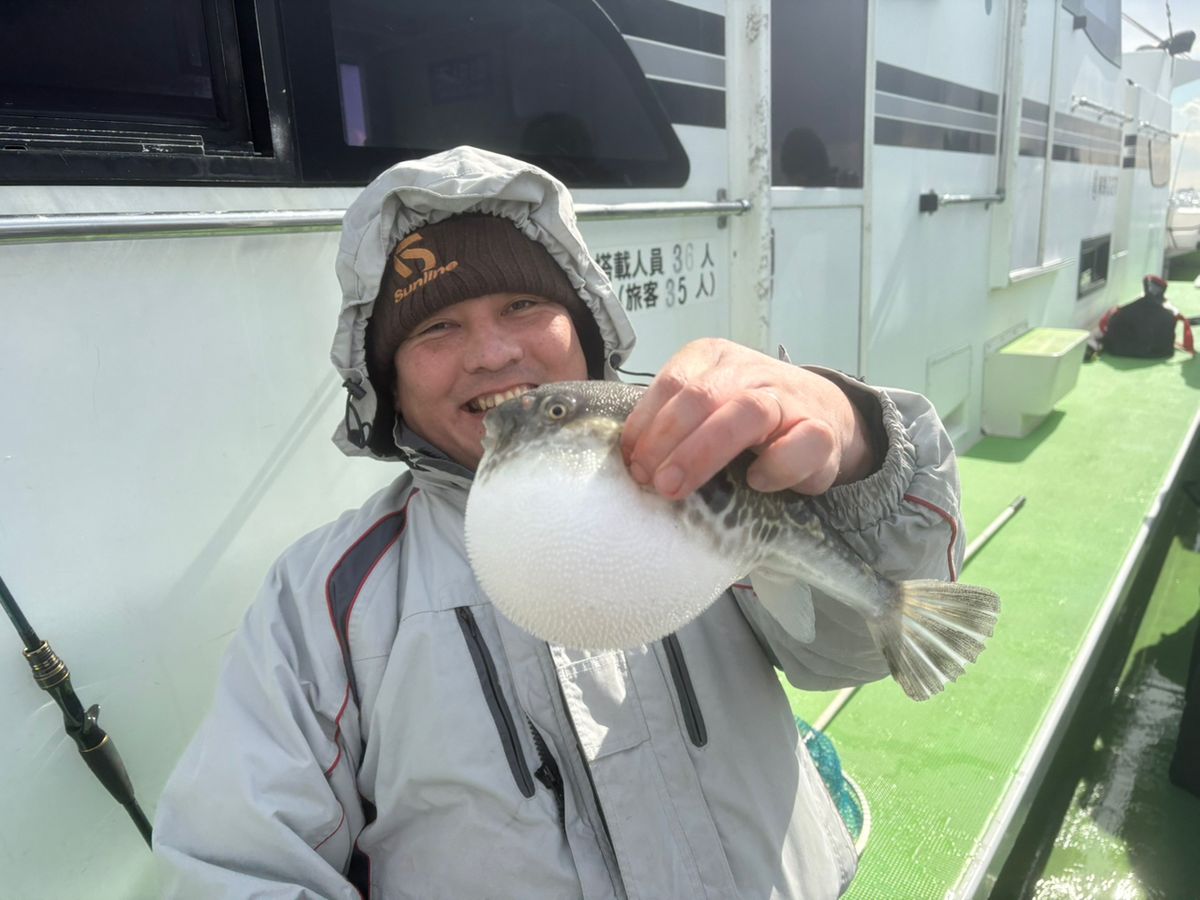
[[788, 601]]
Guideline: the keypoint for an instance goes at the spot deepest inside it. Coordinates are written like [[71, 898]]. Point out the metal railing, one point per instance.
[[1143, 125], [119, 226], [1085, 103]]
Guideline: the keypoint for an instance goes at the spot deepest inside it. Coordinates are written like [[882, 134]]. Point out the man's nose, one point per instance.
[[490, 349]]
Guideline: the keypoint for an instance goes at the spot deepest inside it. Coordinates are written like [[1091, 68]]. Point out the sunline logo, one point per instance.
[[429, 265]]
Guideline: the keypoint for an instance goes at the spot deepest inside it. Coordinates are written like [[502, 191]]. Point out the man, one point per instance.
[[1144, 328], [379, 729]]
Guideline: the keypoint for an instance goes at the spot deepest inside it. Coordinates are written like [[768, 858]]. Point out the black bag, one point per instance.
[[1144, 329]]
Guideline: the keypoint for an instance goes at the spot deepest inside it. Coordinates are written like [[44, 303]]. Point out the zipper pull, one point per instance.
[[547, 773]]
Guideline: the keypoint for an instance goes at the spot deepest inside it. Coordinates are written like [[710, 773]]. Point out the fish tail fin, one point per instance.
[[932, 631]]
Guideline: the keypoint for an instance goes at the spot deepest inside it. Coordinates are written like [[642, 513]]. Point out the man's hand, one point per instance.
[[714, 399]]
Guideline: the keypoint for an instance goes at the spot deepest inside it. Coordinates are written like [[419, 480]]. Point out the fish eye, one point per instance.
[[556, 408]]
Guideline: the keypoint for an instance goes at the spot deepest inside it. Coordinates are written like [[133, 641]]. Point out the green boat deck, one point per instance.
[[951, 782]]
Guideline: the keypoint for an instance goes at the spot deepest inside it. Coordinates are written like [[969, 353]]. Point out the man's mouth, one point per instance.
[[484, 402]]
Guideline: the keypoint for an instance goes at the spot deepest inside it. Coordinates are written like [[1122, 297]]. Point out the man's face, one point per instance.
[[461, 361]]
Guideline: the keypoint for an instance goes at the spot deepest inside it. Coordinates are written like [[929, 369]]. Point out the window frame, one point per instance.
[[1096, 249]]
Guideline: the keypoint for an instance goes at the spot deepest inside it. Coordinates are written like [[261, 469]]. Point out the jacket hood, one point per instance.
[[419, 192]]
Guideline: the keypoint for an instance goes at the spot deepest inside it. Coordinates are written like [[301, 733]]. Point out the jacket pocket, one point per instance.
[[693, 718], [485, 668], [603, 704]]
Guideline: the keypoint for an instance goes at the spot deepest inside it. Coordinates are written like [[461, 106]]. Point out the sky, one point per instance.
[[1185, 14], [1152, 14]]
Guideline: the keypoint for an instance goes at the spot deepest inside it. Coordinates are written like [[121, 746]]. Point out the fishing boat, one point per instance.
[[1183, 223], [944, 197]]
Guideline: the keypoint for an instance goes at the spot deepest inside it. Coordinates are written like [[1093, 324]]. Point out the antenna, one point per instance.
[[1142, 28]]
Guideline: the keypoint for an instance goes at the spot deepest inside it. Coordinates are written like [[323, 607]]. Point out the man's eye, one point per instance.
[[522, 303], [433, 328]]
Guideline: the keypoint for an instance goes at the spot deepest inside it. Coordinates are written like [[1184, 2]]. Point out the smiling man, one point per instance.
[[500, 317], [379, 729]]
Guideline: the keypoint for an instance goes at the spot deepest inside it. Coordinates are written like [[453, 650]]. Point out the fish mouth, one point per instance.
[[493, 408], [492, 399]]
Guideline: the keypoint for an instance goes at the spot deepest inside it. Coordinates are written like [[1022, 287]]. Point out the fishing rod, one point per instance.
[[844, 695], [986, 535], [96, 748]]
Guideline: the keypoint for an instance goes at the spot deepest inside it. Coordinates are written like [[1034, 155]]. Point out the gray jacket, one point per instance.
[[379, 728]]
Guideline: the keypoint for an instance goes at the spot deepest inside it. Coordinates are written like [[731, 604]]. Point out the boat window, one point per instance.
[[321, 91], [1101, 21], [1160, 161], [106, 65], [818, 92], [550, 81], [1093, 264], [92, 89]]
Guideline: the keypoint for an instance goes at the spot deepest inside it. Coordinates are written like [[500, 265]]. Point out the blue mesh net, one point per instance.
[[820, 748]]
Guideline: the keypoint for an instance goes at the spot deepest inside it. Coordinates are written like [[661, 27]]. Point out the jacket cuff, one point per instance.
[[863, 504]]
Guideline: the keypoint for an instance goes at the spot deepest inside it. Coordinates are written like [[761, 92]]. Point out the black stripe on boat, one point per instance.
[[670, 23], [917, 135], [689, 104], [1031, 109], [1064, 153], [907, 83]]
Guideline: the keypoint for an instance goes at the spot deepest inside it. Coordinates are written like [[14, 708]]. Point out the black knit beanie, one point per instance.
[[453, 260]]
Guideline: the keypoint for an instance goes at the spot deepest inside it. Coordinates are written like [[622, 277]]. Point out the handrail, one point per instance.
[[597, 212], [932, 201], [114, 226], [1143, 125], [1077, 102], [107, 226]]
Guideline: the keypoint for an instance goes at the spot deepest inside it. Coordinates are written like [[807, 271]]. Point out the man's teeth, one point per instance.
[[488, 401]]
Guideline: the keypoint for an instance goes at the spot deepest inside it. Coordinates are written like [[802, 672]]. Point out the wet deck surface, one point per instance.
[[1130, 833], [935, 773]]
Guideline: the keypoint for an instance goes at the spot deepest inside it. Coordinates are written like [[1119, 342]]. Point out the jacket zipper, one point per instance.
[[693, 719], [485, 668], [548, 773]]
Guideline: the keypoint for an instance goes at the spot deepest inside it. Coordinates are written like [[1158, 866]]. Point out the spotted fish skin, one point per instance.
[[785, 532], [927, 630]]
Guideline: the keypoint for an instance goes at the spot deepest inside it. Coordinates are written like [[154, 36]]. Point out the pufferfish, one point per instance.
[[569, 547]]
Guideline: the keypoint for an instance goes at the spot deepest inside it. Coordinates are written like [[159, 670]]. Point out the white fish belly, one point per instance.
[[573, 551]]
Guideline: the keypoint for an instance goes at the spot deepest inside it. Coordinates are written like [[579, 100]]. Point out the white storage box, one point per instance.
[[1025, 378]]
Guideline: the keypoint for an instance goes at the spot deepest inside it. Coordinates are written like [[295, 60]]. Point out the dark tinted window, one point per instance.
[[552, 82], [133, 90], [128, 59], [1101, 20], [1093, 264], [818, 92]]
